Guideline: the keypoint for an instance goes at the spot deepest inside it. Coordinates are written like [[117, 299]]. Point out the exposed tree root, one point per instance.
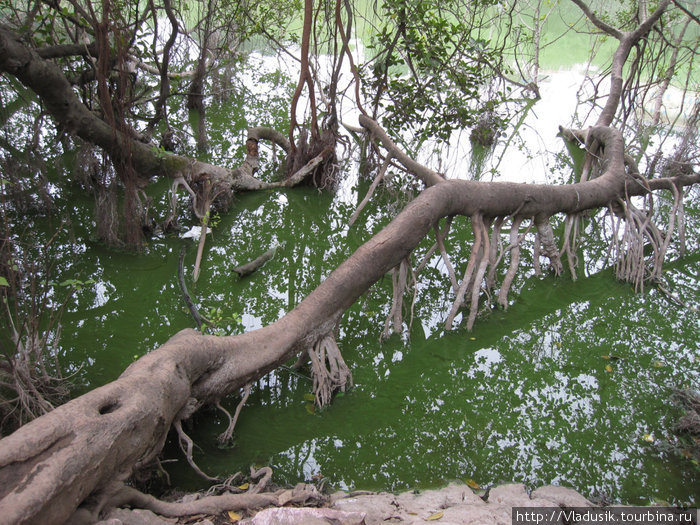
[[194, 311], [440, 240], [571, 231], [187, 445], [200, 250], [536, 253], [631, 265], [400, 282], [226, 436], [514, 248], [481, 245], [329, 371], [207, 505], [170, 220], [495, 253], [547, 244]]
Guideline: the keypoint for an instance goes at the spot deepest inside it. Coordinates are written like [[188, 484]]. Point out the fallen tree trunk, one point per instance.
[[69, 458], [63, 466]]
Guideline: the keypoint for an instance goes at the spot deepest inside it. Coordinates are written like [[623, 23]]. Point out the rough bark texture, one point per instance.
[[69, 459], [51, 466], [48, 81]]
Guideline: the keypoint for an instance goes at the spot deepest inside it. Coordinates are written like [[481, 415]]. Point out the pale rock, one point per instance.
[[378, 507], [561, 496], [306, 516]]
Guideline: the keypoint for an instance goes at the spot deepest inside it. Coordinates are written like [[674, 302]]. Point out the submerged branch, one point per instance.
[[194, 311], [258, 262]]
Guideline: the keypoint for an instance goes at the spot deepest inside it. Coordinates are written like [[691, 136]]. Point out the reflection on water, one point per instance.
[[561, 388]]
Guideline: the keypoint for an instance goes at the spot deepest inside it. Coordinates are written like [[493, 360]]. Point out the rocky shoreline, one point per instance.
[[456, 504]]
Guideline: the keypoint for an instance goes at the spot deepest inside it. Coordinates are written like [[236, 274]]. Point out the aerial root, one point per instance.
[[628, 248], [475, 285], [400, 282], [571, 231], [329, 371], [514, 248], [440, 244], [469, 281], [226, 436], [547, 244], [379, 178], [495, 253], [194, 311], [186, 445], [680, 214], [536, 252], [172, 216], [486, 254], [440, 240]]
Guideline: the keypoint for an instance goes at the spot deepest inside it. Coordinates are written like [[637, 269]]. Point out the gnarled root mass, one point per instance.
[[245, 497], [328, 369]]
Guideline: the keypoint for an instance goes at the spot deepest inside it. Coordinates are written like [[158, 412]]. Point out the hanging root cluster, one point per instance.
[[329, 371], [315, 160], [111, 182], [487, 252], [402, 276], [635, 234]]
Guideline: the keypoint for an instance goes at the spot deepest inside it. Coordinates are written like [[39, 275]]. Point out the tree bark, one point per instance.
[[65, 459], [47, 80], [68, 460]]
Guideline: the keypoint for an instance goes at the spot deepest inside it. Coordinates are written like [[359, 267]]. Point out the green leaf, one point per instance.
[[309, 397], [3, 281]]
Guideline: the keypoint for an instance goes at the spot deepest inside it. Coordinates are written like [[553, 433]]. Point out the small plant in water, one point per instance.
[[220, 322]]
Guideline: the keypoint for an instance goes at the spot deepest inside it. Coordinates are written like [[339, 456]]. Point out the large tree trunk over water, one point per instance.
[[65, 463], [50, 467], [48, 81]]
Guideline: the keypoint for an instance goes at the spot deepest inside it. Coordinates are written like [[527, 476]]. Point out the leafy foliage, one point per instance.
[[433, 64]]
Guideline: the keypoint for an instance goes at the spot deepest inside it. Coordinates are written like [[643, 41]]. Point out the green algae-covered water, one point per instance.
[[571, 385]]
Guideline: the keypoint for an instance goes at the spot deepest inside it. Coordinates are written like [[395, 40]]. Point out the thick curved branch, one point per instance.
[[612, 31], [627, 42], [428, 176], [53, 464]]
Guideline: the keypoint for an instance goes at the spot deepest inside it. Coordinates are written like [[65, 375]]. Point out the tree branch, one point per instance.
[[597, 21]]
